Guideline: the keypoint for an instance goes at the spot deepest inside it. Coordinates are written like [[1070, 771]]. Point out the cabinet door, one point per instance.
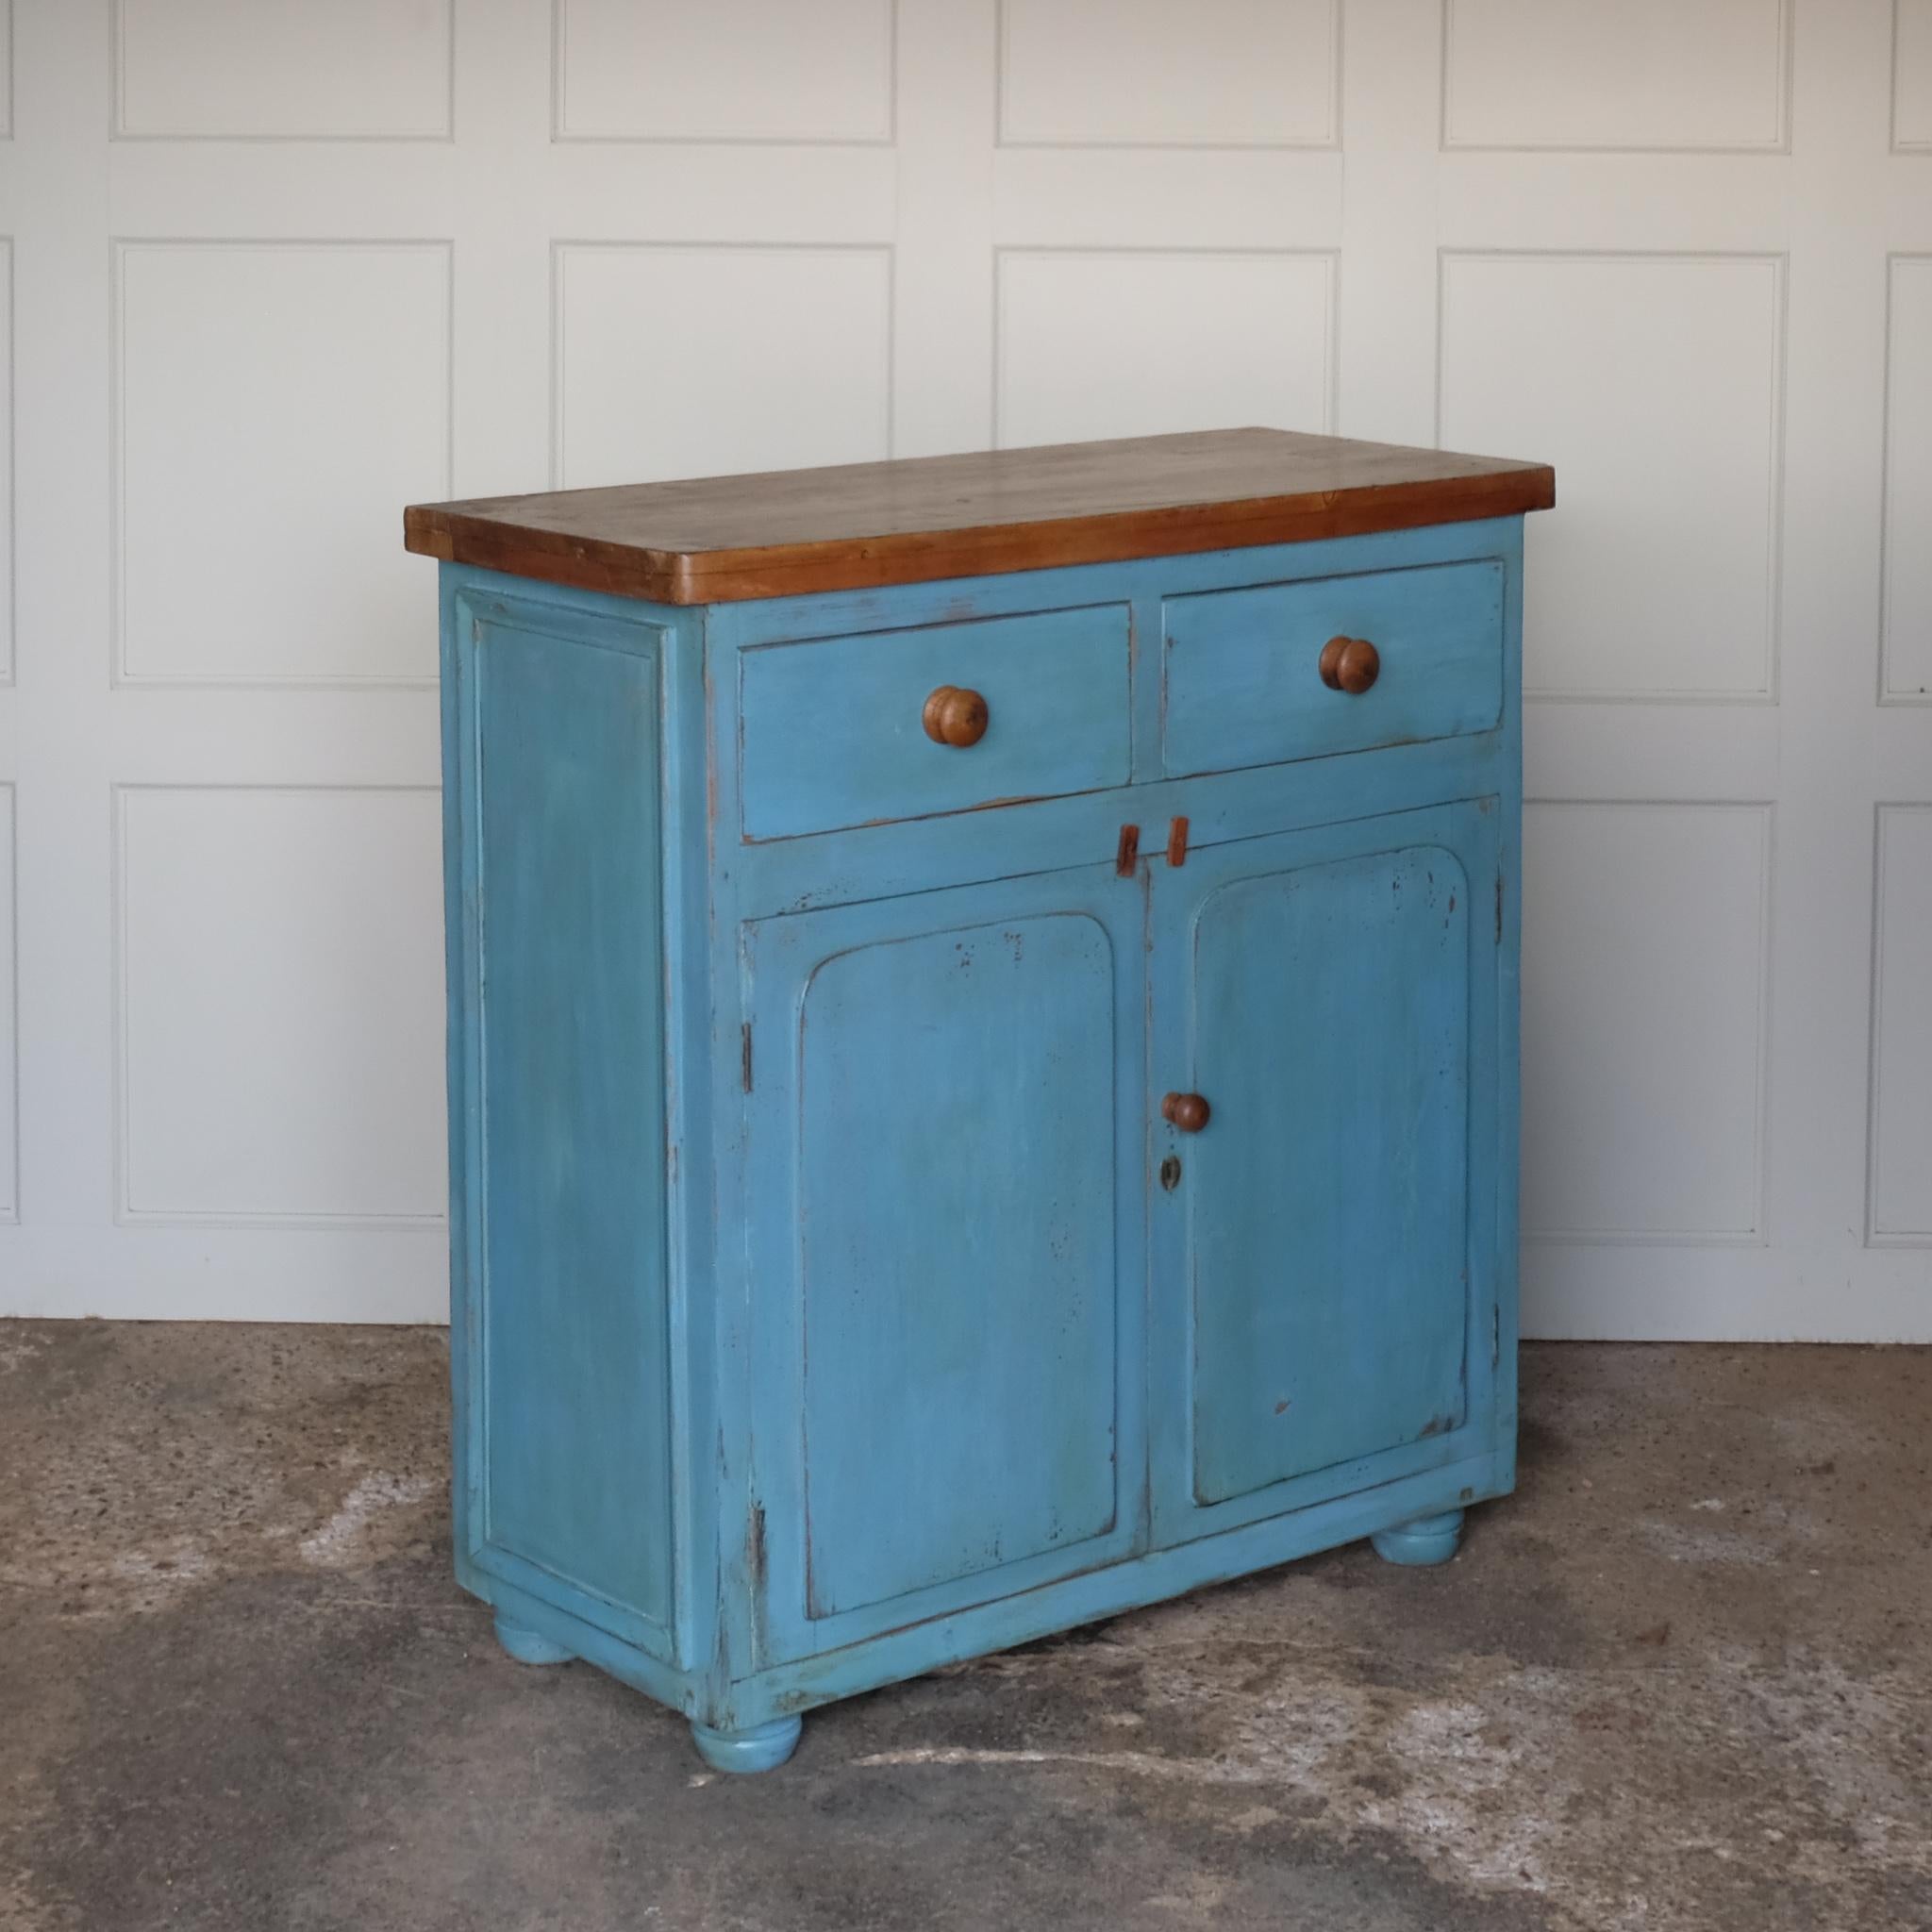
[[1326, 1252], [944, 1136]]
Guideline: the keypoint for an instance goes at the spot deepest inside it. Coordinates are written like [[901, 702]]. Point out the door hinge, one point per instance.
[[1178, 841], [744, 1042], [1499, 908], [1128, 854], [1496, 1337]]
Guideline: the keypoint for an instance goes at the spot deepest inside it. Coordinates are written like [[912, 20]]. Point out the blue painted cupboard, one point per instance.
[[982, 1047]]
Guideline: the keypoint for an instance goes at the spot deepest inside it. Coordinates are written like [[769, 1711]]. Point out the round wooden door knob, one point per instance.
[[1350, 664], [1188, 1112], [955, 716]]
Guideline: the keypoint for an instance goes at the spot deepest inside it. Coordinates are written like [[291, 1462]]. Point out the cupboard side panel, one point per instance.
[[1504, 1205], [566, 1368]]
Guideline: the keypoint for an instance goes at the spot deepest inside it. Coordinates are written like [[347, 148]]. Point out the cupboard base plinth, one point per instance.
[[529, 1646], [763, 1747], [1426, 1539]]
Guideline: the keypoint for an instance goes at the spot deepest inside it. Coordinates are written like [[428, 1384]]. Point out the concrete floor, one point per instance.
[[1682, 1679]]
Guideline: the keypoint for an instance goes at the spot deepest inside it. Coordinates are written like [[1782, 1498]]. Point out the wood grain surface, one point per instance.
[[858, 526]]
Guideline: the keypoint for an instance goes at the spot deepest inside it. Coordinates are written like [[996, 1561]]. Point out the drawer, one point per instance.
[[834, 729], [1243, 681]]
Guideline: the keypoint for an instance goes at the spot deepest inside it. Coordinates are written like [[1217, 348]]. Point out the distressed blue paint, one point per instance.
[[1329, 1015], [575, 1360], [963, 1318], [833, 734], [559, 914], [529, 1646], [759, 1747], [1426, 1541], [766, 1396], [1310, 1059], [1243, 687], [973, 1275]]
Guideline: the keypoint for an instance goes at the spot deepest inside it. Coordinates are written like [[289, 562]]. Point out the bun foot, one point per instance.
[[1427, 1539], [764, 1747], [530, 1646]]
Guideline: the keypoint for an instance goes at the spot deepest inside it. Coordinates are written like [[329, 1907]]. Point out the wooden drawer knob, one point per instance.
[[1188, 1112], [955, 716], [1350, 664]]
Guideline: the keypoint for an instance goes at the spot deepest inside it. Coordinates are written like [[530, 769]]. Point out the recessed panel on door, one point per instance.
[[956, 1250], [1327, 1198], [946, 1267]]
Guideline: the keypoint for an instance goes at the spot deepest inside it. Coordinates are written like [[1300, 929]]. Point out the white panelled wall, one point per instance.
[[274, 271]]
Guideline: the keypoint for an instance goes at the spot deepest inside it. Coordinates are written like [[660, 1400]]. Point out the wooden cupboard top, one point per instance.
[[858, 526]]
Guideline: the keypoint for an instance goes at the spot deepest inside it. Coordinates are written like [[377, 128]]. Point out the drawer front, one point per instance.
[[1243, 678], [834, 730]]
